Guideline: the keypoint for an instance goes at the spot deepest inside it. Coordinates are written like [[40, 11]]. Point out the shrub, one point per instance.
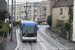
[[4, 30], [15, 23], [68, 26], [2, 21], [59, 23]]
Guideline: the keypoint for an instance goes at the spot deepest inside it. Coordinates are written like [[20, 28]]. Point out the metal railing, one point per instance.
[[1, 44]]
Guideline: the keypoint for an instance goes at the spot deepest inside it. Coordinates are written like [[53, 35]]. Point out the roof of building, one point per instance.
[[62, 3]]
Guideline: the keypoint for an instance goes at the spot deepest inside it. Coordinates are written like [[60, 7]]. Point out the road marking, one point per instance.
[[17, 40], [43, 46]]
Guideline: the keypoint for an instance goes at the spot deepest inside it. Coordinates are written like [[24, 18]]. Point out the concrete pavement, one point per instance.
[[61, 39], [11, 45]]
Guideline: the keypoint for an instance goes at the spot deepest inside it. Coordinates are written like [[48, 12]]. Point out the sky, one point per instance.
[[23, 1]]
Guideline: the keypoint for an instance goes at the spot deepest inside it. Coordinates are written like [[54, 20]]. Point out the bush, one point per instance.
[[68, 26], [4, 30], [15, 23], [60, 23], [2, 21]]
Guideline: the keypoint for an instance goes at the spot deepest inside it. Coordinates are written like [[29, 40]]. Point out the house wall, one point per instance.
[[56, 15]]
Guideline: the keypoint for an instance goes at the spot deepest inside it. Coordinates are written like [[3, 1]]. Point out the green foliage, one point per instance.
[[49, 20], [68, 26], [4, 30], [60, 23], [2, 21], [70, 14], [15, 23]]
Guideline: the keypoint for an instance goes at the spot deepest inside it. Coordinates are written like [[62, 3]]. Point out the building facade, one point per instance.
[[60, 11], [35, 11]]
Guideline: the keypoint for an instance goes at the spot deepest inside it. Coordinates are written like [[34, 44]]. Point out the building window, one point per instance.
[[24, 17], [35, 4], [40, 16], [13, 13], [17, 13], [30, 16], [30, 6], [21, 12], [35, 11], [40, 6], [17, 8], [61, 11], [45, 11], [17, 17], [22, 7], [35, 15], [10, 8], [40, 11], [13, 8], [30, 11]]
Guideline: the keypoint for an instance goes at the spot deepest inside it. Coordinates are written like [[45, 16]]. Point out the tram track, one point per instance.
[[44, 42], [58, 46]]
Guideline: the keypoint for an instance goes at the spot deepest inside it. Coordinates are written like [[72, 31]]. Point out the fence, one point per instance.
[[1, 44], [63, 32], [54, 29]]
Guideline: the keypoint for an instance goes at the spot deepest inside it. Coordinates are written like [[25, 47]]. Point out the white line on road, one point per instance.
[[17, 39]]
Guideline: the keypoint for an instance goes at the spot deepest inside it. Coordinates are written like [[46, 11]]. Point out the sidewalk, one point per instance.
[[11, 45], [61, 39]]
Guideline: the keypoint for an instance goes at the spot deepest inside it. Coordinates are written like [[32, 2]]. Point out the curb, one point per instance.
[[58, 40], [17, 44]]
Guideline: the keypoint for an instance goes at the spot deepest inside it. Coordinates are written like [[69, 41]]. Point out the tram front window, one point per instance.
[[30, 29]]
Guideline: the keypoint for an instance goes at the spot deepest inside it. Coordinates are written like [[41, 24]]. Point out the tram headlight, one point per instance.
[[35, 36], [24, 36]]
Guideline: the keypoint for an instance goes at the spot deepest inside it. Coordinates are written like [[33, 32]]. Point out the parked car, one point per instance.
[[44, 23]]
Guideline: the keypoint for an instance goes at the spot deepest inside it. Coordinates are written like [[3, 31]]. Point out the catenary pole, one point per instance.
[[11, 20], [14, 11]]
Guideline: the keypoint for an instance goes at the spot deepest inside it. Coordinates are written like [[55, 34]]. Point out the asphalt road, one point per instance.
[[44, 41]]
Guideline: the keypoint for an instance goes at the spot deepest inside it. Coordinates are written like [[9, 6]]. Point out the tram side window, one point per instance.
[[23, 31]]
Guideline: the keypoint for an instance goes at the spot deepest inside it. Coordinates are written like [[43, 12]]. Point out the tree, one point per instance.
[[49, 20], [70, 14]]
